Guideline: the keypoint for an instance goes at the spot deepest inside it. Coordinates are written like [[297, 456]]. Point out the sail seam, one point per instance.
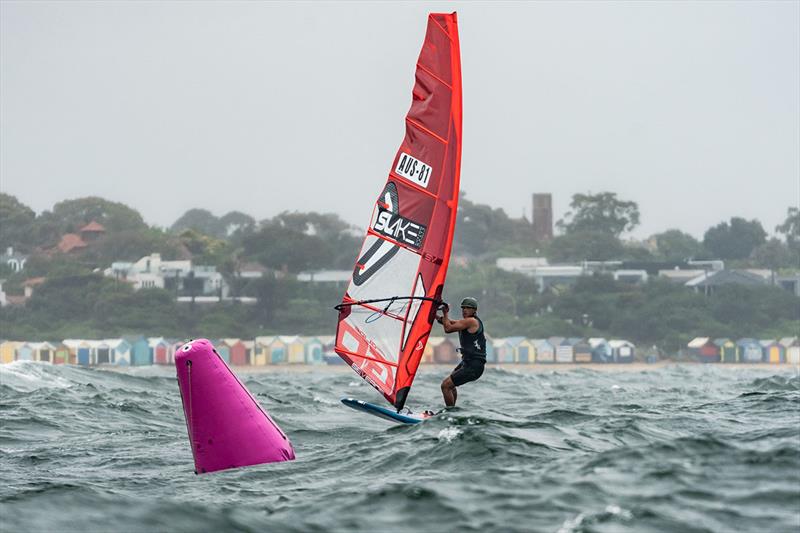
[[406, 181], [426, 130], [353, 354], [434, 76], [441, 27]]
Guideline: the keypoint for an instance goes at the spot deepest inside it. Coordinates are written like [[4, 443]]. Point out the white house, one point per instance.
[[152, 272]]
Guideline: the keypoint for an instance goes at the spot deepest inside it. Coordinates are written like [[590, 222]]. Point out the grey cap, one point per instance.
[[469, 302]]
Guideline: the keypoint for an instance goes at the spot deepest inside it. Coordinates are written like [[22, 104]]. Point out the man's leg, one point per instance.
[[449, 391]]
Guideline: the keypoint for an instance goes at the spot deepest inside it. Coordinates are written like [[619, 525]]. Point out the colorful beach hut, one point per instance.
[[445, 352], [727, 350], [545, 353], [42, 351], [61, 355], [748, 351], [295, 349], [704, 350], [523, 351], [80, 351], [277, 351], [503, 350], [158, 350], [8, 351], [249, 351], [100, 352], [237, 352], [601, 350], [120, 351], [140, 351], [791, 347], [582, 351], [773, 351], [25, 352], [622, 350], [312, 350], [565, 351], [261, 350]]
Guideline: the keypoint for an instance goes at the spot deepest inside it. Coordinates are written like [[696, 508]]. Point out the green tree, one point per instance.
[[71, 215], [774, 255], [734, 240], [585, 245], [675, 245], [17, 222], [790, 228], [602, 212], [198, 220]]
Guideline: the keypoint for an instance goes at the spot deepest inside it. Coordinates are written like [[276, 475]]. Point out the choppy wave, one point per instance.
[[684, 448]]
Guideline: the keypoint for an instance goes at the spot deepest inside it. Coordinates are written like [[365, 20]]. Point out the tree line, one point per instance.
[[77, 301]]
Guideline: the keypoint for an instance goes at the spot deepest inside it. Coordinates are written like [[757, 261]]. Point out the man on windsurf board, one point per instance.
[[473, 348]]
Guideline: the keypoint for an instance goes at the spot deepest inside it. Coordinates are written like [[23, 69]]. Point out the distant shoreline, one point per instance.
[[514, 367]]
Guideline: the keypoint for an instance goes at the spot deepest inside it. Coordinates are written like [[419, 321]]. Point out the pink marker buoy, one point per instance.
[[227, 426]]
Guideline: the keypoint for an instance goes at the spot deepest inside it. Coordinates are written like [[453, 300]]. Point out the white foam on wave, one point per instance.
[[448, 434], [27, 376]]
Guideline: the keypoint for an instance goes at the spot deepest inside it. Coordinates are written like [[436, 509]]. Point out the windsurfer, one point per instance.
[[473, 348]]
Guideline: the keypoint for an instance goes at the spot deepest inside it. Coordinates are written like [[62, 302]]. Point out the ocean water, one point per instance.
[[685, 448]]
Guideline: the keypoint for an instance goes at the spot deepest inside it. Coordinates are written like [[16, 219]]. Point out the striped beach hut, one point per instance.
[[8, 351], [445, 352], [623, 351], [237, 352], [140, 351], [601, 350], [791, 346], [748, 351], [773, 351], [61, 355], [704, 350], [295, 349], [312, 350], [545, 352], [582, 351], [120, 351], [565, 351], [727, 350]]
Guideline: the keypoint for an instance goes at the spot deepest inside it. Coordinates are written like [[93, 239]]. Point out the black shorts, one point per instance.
[[467, 371]]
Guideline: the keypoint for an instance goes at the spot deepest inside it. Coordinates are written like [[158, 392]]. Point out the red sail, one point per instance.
[[388, 310]]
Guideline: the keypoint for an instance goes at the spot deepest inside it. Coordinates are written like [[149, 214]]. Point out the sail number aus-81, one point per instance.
[[413, 169]]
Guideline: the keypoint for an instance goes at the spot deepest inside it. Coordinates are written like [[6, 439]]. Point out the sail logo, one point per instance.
[[399, 228], [413, 169]]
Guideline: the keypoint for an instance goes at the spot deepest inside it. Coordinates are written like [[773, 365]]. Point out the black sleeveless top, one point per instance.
[[473, 345]]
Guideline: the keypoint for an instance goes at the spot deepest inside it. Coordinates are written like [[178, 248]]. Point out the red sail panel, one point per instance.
[[406, 249]]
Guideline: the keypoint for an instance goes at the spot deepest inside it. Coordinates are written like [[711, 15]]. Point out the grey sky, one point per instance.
[[691, 109]]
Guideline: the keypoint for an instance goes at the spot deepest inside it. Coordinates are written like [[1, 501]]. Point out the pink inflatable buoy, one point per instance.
[[227, 426]]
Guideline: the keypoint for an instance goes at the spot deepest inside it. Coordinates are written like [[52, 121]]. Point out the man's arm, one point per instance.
[[451, 326]]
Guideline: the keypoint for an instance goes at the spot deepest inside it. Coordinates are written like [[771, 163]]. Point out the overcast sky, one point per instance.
[[691, 109]]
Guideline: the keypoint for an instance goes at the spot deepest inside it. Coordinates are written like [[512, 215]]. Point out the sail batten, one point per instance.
[[404, 257]]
